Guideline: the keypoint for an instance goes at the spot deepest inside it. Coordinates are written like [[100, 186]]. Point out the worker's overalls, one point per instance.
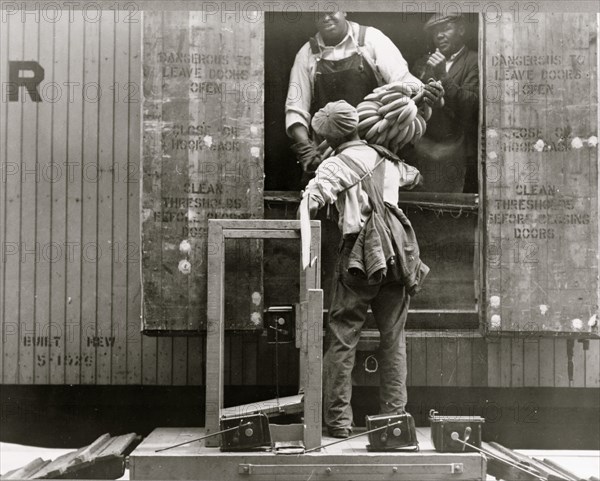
[[350, 300], [349, 79]]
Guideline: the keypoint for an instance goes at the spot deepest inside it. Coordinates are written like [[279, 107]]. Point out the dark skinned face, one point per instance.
[[448, 37], [332, 26]]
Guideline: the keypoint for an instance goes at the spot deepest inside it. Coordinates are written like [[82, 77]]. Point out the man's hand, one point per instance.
[[419, 180], [307, 155], [313, 209], [433, 92], [437, 62]]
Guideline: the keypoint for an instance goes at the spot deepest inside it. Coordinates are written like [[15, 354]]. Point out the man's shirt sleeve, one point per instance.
[[297, 104], [410, 177], [388, 59], [331, 178]]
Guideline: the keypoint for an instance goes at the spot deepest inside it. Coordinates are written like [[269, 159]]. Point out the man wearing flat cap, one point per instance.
[[447, 153], [373, 267], [343, 61]]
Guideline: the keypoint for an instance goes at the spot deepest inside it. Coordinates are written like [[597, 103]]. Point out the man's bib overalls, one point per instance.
[[349, 79], [351, 298]]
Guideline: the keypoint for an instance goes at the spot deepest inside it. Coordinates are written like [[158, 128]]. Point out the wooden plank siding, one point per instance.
[[133, 299], [71, 262], [69, 218], [28, 225], [120, 244], [74, 210], [541, 362], [541, 197], [43, 289], [11, 231], [3, 195], [89, 193], [203, 148]]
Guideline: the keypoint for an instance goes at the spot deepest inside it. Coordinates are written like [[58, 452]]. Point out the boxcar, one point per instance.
[[123, 131]]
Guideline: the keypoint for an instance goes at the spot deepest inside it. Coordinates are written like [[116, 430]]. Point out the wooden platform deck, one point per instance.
[[346, 461]]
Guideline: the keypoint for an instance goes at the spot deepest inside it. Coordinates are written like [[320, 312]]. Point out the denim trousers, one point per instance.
[[351, 298]]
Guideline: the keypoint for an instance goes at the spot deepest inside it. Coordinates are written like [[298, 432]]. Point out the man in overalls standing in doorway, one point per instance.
[[343, 61]]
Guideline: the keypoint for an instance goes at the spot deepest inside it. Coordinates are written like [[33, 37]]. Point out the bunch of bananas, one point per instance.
[[325, 150], [392, 116]]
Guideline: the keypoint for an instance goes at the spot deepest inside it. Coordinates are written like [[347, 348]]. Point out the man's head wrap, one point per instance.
[[335, 121]]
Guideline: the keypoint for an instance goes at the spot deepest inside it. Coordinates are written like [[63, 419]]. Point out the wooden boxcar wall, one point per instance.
[[70, 227]]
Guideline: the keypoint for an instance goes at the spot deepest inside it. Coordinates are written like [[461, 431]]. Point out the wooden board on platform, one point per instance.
[[283, 405], [103, 459], [340, 462]]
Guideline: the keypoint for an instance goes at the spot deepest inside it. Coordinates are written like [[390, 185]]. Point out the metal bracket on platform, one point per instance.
[[288, 447]]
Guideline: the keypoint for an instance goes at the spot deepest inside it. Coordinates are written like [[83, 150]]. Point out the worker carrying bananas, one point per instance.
[[378, 262], [447, 153], [343, 61]]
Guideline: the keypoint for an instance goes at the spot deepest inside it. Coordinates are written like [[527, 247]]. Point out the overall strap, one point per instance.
[[371, 180], [361, 35], [384, 152], [314, 46]]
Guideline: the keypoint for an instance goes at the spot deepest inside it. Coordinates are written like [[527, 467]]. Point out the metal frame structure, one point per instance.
[[309, 325]]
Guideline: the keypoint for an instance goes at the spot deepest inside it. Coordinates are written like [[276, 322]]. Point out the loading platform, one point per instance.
[[349, 460], [345, 461]]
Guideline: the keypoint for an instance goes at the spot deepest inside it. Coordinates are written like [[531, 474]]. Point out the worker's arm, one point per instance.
[[313, 207], [304, 148], [297, 115], [388, 59], [433, 93], [410, 177], [393, 68], [332, 177], [298, 132], [299, 96], [463, 97]]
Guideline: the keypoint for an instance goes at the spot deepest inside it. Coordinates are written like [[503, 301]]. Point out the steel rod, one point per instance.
[[204, 437], [353, 437]]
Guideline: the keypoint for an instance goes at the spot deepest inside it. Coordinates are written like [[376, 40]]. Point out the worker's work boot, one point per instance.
[[340, 433]]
